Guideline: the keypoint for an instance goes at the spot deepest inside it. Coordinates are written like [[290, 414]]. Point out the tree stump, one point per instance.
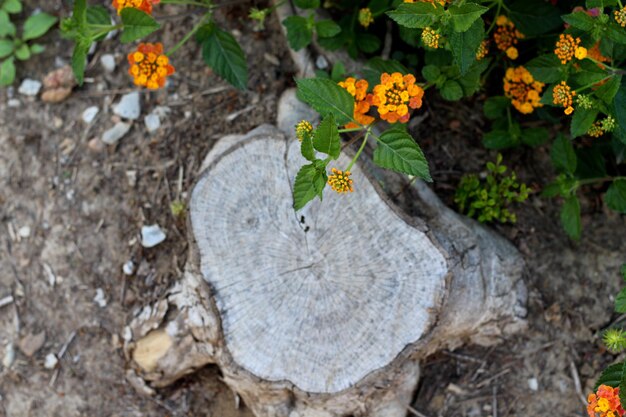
[[325, 312]]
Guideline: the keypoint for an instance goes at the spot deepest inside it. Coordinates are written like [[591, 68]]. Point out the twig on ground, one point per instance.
[[494, 401], [491, 378], [5, 301], [577, 384], [60, 355], [414, 411]]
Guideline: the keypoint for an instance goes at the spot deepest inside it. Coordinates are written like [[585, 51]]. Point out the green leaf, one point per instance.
[[306, 148], [368, 43], [307, 4], [580, 20], [619, 103], [37, 25], [535, 17], [606, 92], [223, 54], [622, 386], [620, 301], [98, 15], [137, 24], [327, 28], [6, 48], [326, 137], [310, 182], [398, 151], [582, 121], [615, 33], [12, 6], [495, 107], [615, 197], [570, 217], [416, 15], [546, 68], [326, 97], [79, 59], [535, 136], [451, 90], [499, 139], [563, 155], [611, 376], [431, 73], [22, 52], [37, 48], [6, 27], [465, 44], [7, 72], [464, 16], [338, 72], [299, 34]]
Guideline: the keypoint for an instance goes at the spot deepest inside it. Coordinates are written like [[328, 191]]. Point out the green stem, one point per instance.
[[620, 4], [597, 180], [584, 87], [106, 29], [189, 34], [358, 153], [493, 24], [354, 129]]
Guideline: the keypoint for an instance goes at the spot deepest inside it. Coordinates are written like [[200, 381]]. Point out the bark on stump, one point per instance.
[[325, 312]]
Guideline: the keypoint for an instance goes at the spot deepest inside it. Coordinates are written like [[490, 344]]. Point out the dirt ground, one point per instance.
[[83, 209]]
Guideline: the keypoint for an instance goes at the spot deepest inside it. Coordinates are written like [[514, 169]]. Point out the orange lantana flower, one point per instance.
[[340, 181], [566, 47], [395, 95], [506, 36], [522, 89], [605, 403], [563, 94], [144, 5], [362, 101], [149, 66]]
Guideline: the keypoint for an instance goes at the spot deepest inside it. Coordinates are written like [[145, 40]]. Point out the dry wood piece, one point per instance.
[[327, 311]]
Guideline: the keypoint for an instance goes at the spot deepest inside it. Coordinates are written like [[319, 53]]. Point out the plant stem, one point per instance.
[[584, 87], [354, 129], [598, 180], [188, 3], [493, 24], [189, 34], [358, 153]]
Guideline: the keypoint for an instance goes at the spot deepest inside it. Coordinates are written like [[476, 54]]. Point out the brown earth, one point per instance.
[[85, 208]]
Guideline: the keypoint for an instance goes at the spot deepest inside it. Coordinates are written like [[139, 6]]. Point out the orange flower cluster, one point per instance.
[[395, 94], [483, 50], [441, 2], [595, 131], [144, 5], [362, 101], [620, 17], [340, 181], [522, 89], [563, 94], [506, 36], [430, 38], [365, 17], [149, 66], [566, 47], [605, 403]]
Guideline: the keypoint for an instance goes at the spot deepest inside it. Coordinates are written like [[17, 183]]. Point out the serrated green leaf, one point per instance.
[[606, 92], [299, 34], [545, 68], [79, 59], [98, 15], [535, 136], [535, 17], [306, 148], [611, 376], [582, 120], [22, 52], [37, 25], [495, 107], [6, 27], [499, 139], [12, 6], [619, 103], [307, 4], [7, 72], [6, 48], [570, 217], [431, 73], [465, 44], [223, 54], [563, 155], [416, 15], [338, 72], [622, 385], [451, 90], [615, 197], [620, 301], [310, 183], [615, 33], [37, 48], [464, 16], [398, 151], [327, 28], [326, 137], [137, 24], [326, 97], [579, 20]]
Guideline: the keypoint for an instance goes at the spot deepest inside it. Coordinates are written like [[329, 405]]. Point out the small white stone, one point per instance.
[[161, 111], [24, 232], [321, 62], [90, 114], [29, 87], [127, 334], [153, 122], [9, 355], [99, 298], [108, 62], [533, 384], [51, 361], [111, 136], [151, 236], [128, 268], [13, 103], [129, 107]]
